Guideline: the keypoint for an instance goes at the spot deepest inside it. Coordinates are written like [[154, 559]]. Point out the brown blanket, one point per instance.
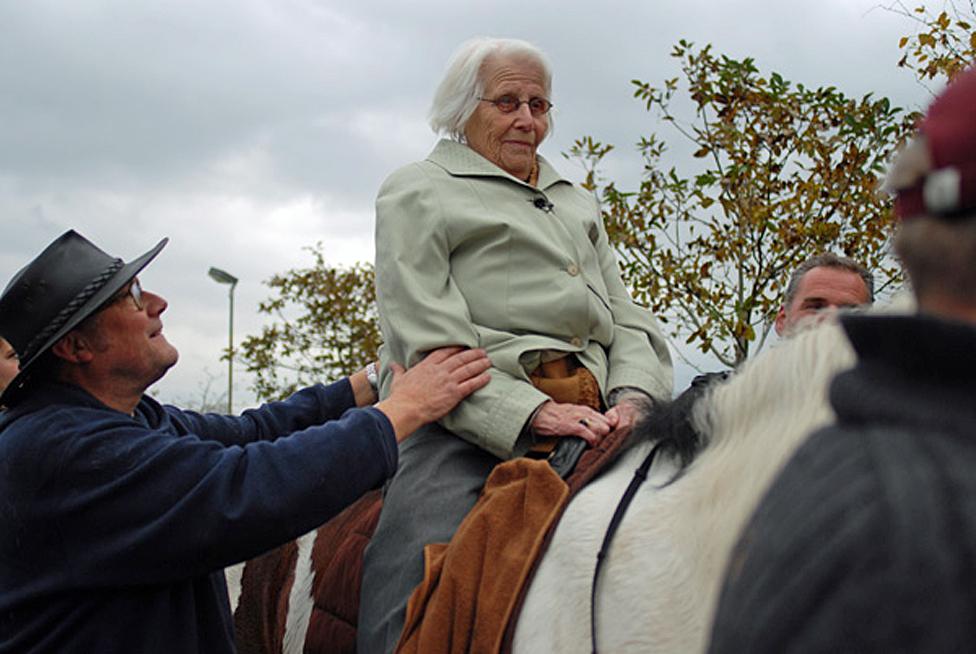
[[259, 621], [474, 586], [337, 558], [470, 585]]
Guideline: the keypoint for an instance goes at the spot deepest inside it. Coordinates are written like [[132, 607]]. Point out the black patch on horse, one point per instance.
[[670, 423]]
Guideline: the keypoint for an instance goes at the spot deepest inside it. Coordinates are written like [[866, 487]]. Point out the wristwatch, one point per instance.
[[372, 376]]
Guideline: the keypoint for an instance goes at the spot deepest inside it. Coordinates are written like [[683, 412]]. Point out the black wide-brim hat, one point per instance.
[[66, 283]]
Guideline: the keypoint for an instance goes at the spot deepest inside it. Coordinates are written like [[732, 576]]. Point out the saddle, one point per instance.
[[448, 612]]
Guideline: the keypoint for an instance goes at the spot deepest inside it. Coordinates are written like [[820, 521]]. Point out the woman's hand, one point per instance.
[[433, 387], [555, 419]]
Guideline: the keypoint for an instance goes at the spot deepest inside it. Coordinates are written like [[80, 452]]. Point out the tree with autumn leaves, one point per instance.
[[325, 326], [779, 171], [943, 42]]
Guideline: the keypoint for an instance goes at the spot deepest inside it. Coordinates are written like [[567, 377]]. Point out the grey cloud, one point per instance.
[[247, 129]]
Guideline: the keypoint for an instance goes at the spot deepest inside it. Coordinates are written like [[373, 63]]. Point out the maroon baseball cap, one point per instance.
[[949, 129]]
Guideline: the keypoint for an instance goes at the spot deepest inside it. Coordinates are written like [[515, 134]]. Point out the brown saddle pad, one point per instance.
[[337, 554], [338, 564]]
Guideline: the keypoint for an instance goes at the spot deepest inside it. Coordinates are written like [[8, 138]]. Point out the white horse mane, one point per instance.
[[756, 421]]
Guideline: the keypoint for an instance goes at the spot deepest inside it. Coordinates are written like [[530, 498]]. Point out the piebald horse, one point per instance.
[[660, 582], [662, 575]]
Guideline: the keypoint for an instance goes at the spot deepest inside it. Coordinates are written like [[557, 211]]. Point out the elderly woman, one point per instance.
[[484, 244]]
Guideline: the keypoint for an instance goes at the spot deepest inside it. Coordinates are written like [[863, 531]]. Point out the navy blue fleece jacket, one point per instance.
[[114, 529]]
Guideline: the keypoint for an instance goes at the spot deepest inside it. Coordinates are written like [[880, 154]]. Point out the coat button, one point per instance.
[[573, 269], [576, 341]]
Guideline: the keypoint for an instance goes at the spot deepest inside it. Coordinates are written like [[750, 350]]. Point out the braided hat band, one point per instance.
[[71, 307]]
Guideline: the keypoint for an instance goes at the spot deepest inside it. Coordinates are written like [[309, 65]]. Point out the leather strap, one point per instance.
[[640, 476]]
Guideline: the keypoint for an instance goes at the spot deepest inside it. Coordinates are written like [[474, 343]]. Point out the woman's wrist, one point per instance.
[[632, 394], [528, 431]]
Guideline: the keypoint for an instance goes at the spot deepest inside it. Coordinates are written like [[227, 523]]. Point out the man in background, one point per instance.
[[866, 541], [824, 281]]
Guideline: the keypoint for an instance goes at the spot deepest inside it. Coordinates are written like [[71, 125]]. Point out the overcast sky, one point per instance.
[[245, 130]]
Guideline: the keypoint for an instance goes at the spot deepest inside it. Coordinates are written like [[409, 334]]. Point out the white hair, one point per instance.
[[457, 95]]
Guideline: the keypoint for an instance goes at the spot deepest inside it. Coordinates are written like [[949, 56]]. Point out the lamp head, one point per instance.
[[222, 277]]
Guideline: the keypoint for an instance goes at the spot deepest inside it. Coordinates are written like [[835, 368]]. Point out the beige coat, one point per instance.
[[465, 256]]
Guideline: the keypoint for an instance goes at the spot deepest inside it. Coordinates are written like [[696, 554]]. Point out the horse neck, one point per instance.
[[755, 422]]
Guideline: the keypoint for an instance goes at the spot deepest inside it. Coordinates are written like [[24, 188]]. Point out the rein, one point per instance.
[[640, 476], [679, 431]]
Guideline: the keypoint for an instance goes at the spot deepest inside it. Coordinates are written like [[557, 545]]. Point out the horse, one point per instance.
[[660, 582], [663, 572]]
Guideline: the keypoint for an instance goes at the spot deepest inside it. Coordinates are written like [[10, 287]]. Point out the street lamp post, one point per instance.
[[222, 277]]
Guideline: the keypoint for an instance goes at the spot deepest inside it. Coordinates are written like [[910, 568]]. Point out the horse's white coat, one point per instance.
[[300, 602], [233, 577], [661, 578]]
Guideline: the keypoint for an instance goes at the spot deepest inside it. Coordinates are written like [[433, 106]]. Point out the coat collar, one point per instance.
[[922, 346], [912, 371], [460, 160], [50, 393]]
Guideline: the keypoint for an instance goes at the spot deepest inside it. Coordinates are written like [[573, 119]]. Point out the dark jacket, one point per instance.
[[114, 529], [866, 542]]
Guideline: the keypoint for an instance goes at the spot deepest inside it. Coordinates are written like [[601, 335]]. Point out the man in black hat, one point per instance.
[[866, 542], [118, 514]]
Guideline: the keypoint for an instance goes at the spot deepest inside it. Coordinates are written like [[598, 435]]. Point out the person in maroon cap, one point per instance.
[[866, 542]]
